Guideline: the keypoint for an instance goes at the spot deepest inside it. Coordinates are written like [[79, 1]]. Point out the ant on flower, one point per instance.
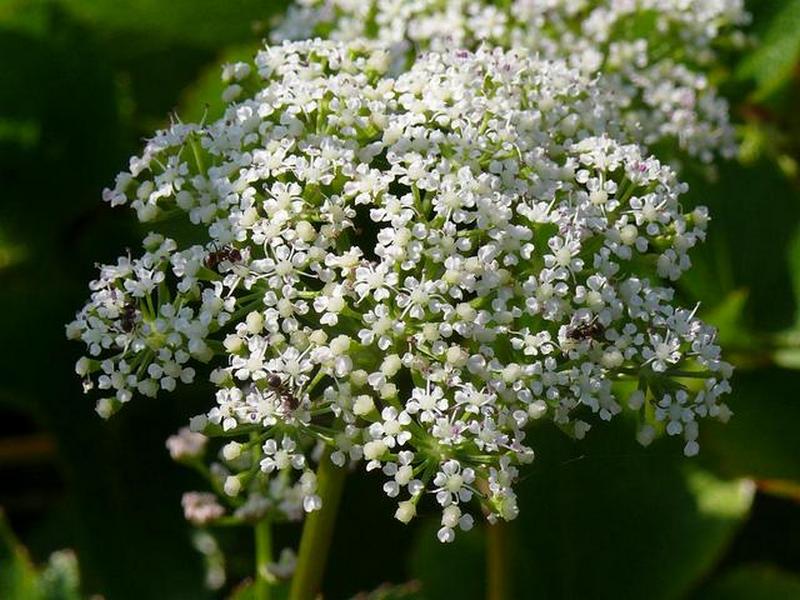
[[590, 330], [282, 390], [129, 316], [216, 257]]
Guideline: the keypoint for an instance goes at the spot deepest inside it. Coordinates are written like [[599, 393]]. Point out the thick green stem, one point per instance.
[[262, 584], [498, 584], [317, 531]]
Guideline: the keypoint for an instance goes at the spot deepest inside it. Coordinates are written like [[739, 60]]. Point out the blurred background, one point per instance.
[[83, 82]]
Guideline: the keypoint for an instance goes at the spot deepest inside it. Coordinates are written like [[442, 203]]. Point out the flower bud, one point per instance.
[[232, 451], [363, 405], [406, 511], [107, 407], [254, 322], [374, 450], [232, 486]]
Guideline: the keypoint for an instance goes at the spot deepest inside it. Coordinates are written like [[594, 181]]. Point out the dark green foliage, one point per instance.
[[602, 518], [83, 81], [59, 580], [754, 583]]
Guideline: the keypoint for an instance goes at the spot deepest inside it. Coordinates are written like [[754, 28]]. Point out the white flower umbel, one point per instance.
[[406, 270], [657, 56]]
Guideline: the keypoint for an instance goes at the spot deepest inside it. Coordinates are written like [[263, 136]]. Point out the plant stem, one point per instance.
[[262, 585], [498, 584], [317, 531]]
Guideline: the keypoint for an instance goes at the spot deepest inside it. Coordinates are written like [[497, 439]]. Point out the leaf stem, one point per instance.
[[263, 533], [317, 531], [498, 583]]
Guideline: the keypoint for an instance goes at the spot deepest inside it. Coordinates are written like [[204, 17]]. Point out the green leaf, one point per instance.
[[728, 318], [772, 63], [754, 582], [203, 98], [793, 253], [17, 575], [746, 249], [788, 358], [760, 441], [602, 518], [208, 23]]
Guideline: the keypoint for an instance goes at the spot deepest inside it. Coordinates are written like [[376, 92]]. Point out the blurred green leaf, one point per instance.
[[794, 265], [17, 575], [585, 507], [19, 579], [787, 358], [206, 23], [755, 213], [754, 583], [203, 99], [728, 318], [760, 441], [774, 60]]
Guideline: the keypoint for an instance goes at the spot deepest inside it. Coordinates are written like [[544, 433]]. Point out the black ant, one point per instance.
[[284, 393], [128, 318], [586, 331], [227, 252]]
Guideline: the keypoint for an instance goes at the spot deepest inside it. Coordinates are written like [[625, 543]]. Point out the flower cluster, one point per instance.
[[656, 56], [405, 272]]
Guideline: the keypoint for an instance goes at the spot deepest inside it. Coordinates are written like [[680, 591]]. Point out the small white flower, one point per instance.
[[453, 483], [283, 457]]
